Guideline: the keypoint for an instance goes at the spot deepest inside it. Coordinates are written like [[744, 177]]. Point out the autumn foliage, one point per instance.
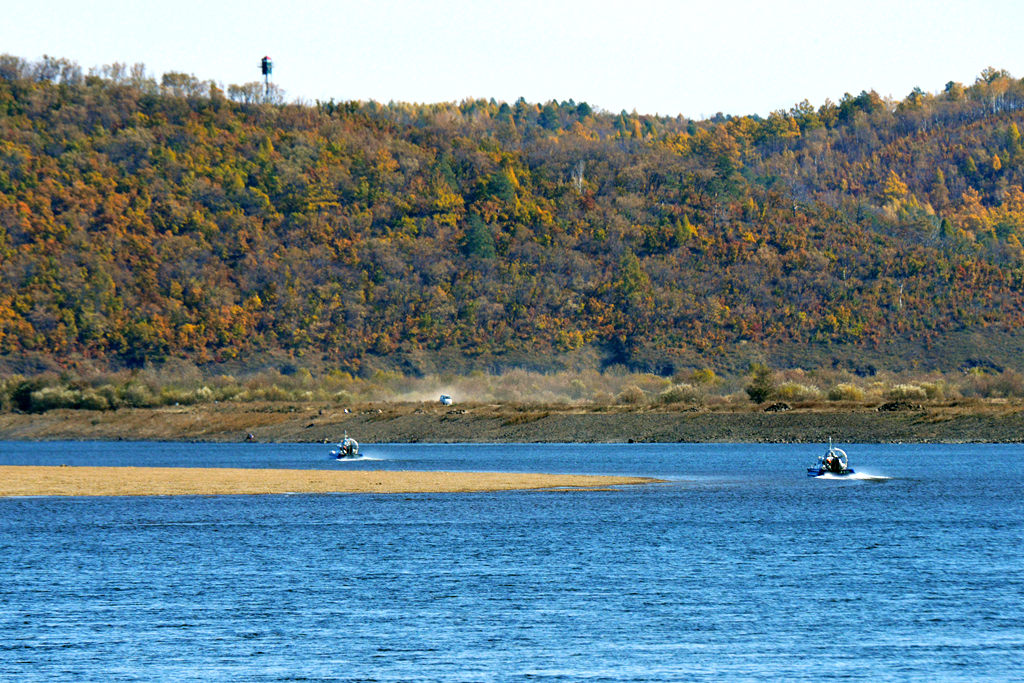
[[141, 221]]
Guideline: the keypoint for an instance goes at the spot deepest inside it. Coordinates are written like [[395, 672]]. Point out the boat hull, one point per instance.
[[336, 456], [820, 472]]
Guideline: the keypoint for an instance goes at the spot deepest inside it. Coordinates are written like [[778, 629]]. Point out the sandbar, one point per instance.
[[30, 480]]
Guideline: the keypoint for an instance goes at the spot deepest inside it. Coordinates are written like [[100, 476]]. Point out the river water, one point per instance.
[[740, 567]]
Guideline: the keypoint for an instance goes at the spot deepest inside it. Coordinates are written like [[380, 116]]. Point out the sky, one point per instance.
[[691, 58]]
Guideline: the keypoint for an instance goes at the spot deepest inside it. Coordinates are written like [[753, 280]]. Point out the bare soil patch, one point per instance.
[[994, 422]]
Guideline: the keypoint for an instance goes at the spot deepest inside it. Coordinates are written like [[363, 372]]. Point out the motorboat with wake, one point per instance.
[[347, 449], [832, 462]]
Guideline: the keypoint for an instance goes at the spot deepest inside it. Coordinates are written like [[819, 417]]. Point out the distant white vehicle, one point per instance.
[[446, 400]]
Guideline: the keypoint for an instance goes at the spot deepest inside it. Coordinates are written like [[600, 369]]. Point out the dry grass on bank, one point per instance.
[[178, 383]]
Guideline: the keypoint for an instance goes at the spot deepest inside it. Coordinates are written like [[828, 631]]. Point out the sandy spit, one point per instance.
[[174, 481]]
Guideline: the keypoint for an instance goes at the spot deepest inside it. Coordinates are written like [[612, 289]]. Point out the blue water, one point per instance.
[[740, 567]]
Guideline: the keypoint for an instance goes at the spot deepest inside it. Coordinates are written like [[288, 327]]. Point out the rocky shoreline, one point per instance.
[[982, 422]]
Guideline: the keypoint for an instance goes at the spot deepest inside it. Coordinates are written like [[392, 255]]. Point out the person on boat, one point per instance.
[[348, 447]]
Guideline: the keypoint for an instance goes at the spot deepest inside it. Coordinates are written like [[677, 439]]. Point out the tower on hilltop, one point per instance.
[[266, 68]]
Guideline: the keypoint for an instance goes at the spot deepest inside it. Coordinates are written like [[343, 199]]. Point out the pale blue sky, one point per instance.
[[690, 58]]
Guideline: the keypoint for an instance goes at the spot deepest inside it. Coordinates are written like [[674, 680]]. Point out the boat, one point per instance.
[[832, 462], [346, 449]]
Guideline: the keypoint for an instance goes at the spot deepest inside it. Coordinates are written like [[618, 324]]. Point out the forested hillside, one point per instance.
[[144, 220]]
